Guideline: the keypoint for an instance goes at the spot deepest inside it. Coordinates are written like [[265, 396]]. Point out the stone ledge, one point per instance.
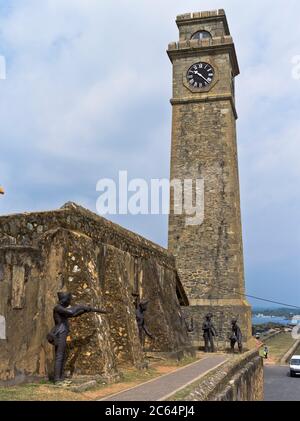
[[83, 387], [206, 98], [287, 356], [219, 45], [202, 17], [63, 218], [197, 43], [218, 384], [174, 355]]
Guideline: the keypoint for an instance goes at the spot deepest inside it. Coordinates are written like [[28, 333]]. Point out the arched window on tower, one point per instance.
[[201, 35]]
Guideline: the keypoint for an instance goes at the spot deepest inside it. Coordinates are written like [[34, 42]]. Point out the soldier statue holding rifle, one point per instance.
[[58, 335], [209, 332], [140, 319], [236, 336]]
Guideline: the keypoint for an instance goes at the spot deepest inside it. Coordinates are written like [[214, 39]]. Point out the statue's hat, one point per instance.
[[64, 296]]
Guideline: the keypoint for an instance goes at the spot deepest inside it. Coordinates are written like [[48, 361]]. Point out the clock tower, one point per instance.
[[209, 253]]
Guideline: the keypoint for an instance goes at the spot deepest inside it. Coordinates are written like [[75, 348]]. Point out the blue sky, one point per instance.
[[87, 94]]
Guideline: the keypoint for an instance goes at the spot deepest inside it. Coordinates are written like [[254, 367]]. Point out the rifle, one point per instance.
[[99, 310], [96, 310]]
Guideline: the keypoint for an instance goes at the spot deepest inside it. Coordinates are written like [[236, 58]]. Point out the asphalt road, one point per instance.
[[279, 386]]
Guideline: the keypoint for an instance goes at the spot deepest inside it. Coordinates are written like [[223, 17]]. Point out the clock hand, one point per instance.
[[199, 74]]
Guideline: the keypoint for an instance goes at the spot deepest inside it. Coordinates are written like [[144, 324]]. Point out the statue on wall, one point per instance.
[[236, 336], [58, 335], [209, 332], [140, 319]]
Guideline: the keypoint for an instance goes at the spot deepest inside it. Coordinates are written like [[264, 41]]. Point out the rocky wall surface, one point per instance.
[[239, 379], [208, 249], [222, 316], [27, 228], [43, 253]]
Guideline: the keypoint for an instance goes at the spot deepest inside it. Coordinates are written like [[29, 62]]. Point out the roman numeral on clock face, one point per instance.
[[200, 75]]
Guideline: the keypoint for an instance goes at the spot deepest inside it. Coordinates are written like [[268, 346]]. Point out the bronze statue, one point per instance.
[[140, 318], [236, 336], [209, 332], [58, 335]]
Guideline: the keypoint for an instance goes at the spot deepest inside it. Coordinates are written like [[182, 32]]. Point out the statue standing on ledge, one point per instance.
[[140, 318], [58, 335], [236, 336], [209, 332]]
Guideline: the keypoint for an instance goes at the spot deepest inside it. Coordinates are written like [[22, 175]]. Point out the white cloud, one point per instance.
[[87, 90]]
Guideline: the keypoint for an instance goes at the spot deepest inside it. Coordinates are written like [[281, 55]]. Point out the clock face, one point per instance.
[[200, 75]]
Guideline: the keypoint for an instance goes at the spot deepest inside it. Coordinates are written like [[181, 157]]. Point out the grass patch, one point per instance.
[[45, 391], [131, 376], [36, 392], [278, 345]]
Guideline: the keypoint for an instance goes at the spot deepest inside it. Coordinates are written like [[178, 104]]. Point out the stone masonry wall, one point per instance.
[[101, 264], [223, 313], [209, 255], [239, 379], [26, 228], [214, 22]]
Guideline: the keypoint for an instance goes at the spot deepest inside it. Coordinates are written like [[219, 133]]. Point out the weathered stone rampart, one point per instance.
[[239, 379], [102, 264]]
